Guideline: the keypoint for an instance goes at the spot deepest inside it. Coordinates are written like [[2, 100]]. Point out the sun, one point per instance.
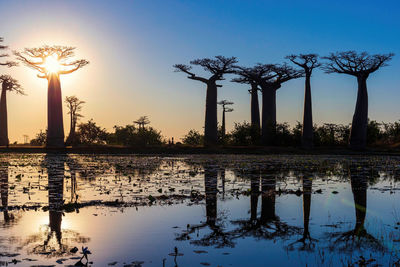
[[51, 64]]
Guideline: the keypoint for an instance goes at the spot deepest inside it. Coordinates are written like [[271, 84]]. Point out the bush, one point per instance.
[[132, 136], [193, 138], [89, 133], [40, 139]]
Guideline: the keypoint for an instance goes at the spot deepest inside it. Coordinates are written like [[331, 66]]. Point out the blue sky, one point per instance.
[[132, 46]]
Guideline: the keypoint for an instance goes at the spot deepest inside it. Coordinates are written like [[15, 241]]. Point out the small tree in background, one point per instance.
[[74, 106]]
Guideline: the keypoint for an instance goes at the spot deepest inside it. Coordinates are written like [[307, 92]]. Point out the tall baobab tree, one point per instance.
[[272, 79], [12, 85], [251, 76], [217, 67], [142, 122], [74, 106], [308, 62], [51, 62], [360, 65], [224, 104]]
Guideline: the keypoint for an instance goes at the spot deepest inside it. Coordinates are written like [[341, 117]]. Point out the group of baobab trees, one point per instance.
[[268, 78], [50, 62]]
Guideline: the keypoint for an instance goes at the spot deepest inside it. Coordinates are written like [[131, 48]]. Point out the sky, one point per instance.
[[133, 44]]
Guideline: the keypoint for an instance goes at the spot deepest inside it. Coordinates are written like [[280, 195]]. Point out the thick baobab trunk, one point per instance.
[[358, 134], [255, 114], [268, 115], [3, 116], [211, 121], [307, 133], [55, 127], [211, 189]]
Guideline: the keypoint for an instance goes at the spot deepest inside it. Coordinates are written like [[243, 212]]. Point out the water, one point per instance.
[[210, 210]]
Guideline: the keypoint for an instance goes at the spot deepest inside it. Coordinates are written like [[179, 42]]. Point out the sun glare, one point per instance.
[[52, 65]]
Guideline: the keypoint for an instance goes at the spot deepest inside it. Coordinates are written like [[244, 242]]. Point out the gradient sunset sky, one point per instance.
[[132, 45]]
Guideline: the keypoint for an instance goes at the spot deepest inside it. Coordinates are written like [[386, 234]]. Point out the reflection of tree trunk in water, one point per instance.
[[55, 128], [268, 183], [223, 182], [359, 189], [307, 189], [255, 191], [210, 183], [55, 170], [4, 193], [3, 116]]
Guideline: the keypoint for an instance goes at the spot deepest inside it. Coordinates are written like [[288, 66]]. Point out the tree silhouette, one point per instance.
[[360, 65], [142, 122], [74, 106], [224, 104], [308, 62], [251, 76], [12, 85], [217, 67], [51, 62], [270, 80], [5, 55]]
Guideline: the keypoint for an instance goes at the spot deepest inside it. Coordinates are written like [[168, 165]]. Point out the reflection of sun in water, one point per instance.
[[51, 64]]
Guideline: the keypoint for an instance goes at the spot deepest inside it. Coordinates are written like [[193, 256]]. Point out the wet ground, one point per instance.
[[199, 210]]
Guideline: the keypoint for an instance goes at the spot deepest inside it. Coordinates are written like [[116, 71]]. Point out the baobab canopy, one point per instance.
[[51, 60]]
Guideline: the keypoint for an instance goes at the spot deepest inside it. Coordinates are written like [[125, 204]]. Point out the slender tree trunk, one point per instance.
[[3, 116], [211, 121], [255, 115], [358, 134], [268, 115], [223, 122], [307, 134], [55, 128]]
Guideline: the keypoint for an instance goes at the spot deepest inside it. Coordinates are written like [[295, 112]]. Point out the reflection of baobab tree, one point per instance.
[[357, 237], [52, 240], [51, 62], [216, 236], [306, 241], [4, 193], [268, 225]]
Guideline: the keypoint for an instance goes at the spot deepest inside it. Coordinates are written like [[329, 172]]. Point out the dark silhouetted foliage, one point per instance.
[[193, 138]]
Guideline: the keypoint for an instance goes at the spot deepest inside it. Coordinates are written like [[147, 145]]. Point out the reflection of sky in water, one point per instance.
[[149, 234]]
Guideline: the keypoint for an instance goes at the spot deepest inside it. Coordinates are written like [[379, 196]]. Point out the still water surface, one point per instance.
[[210, 210]]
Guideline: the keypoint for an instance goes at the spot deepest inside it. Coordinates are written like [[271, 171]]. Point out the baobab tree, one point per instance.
[[7, 63], [308, 62], [11, 85], [74, 106], [251, 76], [224, 104], [142, 122], [51, 62], [218, 67], [272, 78], [360, 65]]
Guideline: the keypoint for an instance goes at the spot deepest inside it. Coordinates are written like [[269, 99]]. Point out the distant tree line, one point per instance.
[[327, 134]]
